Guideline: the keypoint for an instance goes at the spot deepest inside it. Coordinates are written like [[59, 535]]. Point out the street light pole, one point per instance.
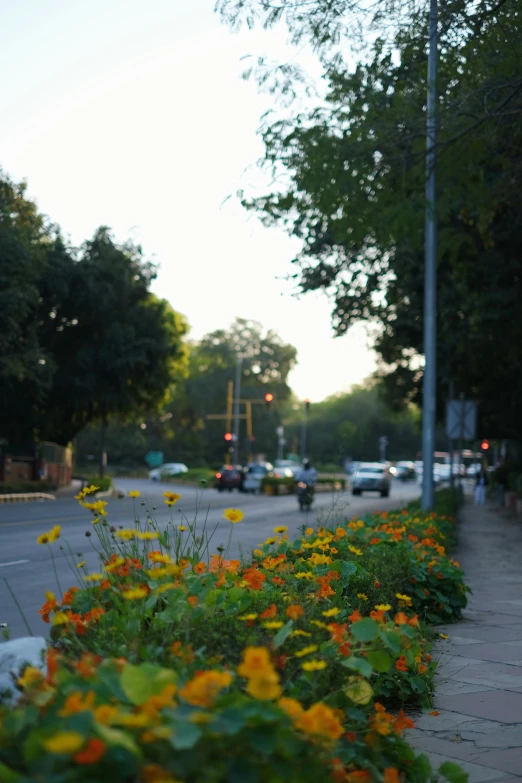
[[237, 395], [430, 273], [303, 432]]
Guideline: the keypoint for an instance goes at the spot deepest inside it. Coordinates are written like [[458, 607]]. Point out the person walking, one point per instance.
[[481, 483]]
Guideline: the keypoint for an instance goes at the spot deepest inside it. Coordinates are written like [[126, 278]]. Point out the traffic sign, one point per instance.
[[461, 419]]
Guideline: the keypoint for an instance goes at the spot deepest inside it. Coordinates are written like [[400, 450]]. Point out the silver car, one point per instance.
[[371, 477]]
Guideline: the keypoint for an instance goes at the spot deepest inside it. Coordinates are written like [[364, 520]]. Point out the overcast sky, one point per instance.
[[134, 115]]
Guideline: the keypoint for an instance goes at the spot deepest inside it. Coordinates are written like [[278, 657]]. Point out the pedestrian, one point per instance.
[[481, 483]]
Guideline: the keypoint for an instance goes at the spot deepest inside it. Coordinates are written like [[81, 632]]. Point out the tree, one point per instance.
[[353, 193]]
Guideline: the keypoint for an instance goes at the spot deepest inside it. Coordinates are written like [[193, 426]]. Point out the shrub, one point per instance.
[[23, 487]]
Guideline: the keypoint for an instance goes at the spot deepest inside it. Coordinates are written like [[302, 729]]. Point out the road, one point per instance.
[[28, 567]]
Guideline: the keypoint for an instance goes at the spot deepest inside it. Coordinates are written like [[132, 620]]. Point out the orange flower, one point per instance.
[[52, 659], [378, 615], [200, 568], [375, 540], [277, 581], [400, 664], [87, 666], [204, 688], [358, 776], [355, 616], [294, 611], [321, 721], [345, 649], [351, 736], [48, 607], [402, 722], [269, 613], [254, 578], [391, 775], [92, 752], [68, 596], [434, 712], [338, 632], [401, 619]]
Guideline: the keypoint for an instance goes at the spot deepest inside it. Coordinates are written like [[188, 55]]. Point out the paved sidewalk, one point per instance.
[[479, 681]]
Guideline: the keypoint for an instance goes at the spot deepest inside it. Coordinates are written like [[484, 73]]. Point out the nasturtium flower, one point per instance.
[[313, 666], [309, 531], [294, 611], [233, 515], [291, 706], [65, 742], [204, 688], [320, 721], [91, 753], [200, 568], [134, 493]]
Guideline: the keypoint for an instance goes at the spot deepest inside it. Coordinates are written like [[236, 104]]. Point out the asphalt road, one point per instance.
[[28, 568]]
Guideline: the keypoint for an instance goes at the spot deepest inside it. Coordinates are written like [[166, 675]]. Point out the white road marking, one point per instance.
[[14, 562]]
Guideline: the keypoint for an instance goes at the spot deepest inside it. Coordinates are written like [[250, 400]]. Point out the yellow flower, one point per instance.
[[270, 541], [317, 559], [383, 607], [135, 593], [233, 515], [306, 651], [94, 578], [148, 535], [43, 539], [95, 520], [171, 498], [443, 636], [331, 612], [97, 507], [54, 533], [320, 721], [266, 687], [165, 587], [66, 742], [309, 531], [340, 532], [126, 535], [182, 528], [273, 624], [280, 529], [257, 553], [354, 550], [251, 616], [134, 493], [403, 598], [318, 624], [362, 596], [313, 666], [298, 632], [60, 618], [291, 706], [31, 676], [204, 688], [81, 565], [304, 575]]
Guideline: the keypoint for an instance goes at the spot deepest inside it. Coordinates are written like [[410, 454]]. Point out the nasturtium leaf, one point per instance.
[[116, 737], [453, 772], [365, 630], [380, 660], [360, 665], [358, 690], [141, 682], [392, 640], [185, 735]]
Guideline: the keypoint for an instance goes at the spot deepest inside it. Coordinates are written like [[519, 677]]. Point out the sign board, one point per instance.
[[461, 419], [280, 431], [154, 459]]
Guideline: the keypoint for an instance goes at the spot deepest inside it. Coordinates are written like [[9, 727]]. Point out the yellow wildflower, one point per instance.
[[280, 529], [165, 587], [60, 618], [94, 578], [81, 565], [272, 624], [148, 535], [270, 541], [134, 493], [66, 742], [354, 550], [309, 531], [135, 593], [313, 666], [257, 553], [126, 535], [443, 636], [405, 599], [250, 616], [362, 596], [331, 612], [298, 632], [31, 676], [340, 532], [233, 515], [304, 575], [383, 607], [182, 528], [171, 498], [318, 624], [43, 539], [204, 688], [306, 651]]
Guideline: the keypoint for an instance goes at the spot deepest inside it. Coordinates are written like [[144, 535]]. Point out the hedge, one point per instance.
[[22, 487], [290, 484], [170, 665]]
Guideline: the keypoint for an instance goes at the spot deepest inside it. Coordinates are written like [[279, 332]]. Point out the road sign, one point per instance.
[[461, 419]]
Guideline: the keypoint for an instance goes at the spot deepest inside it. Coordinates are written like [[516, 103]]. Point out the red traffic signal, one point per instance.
[[268, 399], [484, 445], [228, 436]]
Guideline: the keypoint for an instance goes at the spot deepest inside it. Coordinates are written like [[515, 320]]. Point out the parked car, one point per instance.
[[371, 477], [282, 472], [229, 477], [286, 464], [405, 471], [167, 470], [255, 473]]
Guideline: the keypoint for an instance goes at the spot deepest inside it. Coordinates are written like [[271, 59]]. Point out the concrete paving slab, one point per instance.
[[503, 706]]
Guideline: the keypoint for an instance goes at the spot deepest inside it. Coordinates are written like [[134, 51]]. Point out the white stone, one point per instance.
[[15, 655]]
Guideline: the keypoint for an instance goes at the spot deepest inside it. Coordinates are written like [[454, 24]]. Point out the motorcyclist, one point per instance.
[[307, 474]]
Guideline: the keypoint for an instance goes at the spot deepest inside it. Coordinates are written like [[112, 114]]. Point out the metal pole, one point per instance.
[[303, 433], [430, 274], [237, 395], [450, 443]]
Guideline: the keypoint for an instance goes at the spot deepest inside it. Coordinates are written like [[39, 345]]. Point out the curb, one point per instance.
[[26, 497]]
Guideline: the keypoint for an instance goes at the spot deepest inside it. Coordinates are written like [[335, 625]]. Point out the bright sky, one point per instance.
[[134, 115]]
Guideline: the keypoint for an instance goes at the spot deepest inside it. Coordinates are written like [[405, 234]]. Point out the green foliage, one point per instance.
[[13, 487], [81, 336]]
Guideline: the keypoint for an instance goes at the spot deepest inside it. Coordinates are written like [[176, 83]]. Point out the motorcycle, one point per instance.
[[305, 496]]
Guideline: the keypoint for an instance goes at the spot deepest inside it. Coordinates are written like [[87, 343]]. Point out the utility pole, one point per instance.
[[237, 395], [430, 273], [303, 429]]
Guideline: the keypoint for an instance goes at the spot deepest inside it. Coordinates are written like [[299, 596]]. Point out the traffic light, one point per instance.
[[268, 399], [484, 445], [228, 436], [307, 404]]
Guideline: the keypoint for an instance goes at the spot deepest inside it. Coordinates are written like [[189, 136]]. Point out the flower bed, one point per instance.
[[172, 666]]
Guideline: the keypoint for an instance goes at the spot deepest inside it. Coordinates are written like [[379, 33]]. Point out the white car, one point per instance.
[[255, 474], [166, 470], [371, 477]]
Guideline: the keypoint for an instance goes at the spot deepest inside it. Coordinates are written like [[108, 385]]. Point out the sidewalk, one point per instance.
[[479, 680]]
